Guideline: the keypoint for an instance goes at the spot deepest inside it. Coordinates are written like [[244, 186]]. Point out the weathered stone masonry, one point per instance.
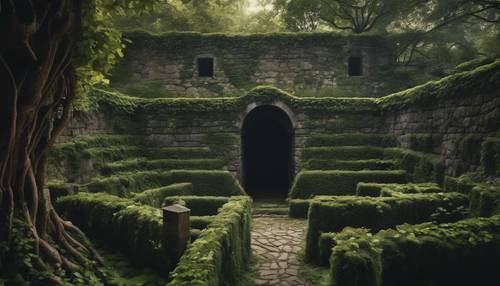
[[448, 120], [311, 64]]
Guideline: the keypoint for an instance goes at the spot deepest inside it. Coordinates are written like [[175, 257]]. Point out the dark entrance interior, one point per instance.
[[267, 138]]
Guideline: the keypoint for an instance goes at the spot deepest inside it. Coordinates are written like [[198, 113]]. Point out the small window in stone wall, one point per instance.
[[355, 66], [206, 67]]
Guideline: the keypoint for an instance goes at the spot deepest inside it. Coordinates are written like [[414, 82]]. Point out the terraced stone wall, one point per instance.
[[453, 127]]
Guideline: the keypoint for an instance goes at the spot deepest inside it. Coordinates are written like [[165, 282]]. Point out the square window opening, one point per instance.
[[205, 67], [355, 66]]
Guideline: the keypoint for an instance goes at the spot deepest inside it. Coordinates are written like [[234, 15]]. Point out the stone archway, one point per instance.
[[267, 152]]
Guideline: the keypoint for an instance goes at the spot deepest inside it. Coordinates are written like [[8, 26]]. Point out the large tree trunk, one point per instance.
[[37, 88]]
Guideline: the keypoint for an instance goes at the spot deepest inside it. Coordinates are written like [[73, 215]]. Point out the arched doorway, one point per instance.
[[267, 138]]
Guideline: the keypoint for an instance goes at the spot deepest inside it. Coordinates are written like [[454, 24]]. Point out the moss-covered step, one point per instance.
[[388, 190], [343, 153], [178, 153], [138, 164], [350, 139], [205, 182], [351, 165], [490, 156], [421, 167], [155, 197], [339, 182]]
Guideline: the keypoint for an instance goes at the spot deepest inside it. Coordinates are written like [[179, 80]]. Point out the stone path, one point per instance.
[[276, 240]]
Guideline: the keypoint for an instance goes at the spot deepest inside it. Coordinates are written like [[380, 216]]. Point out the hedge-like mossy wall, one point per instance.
[[461, 253], [483, 79], [155, 197], [490, 156], [332, 214], [205, 182], [336, 182], [221, 253], [134, 229]]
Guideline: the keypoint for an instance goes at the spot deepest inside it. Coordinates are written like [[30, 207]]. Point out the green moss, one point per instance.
[[468, 152], [200, 222], [485, 200], [460, 253], [333, 213], [298, 208], [155, 197], [165, 164], [205, 182], [127, 105], [482, 79], [357, 165], [199, 205], [336, 182], [343, 152], [348, 139], [490, 156], [421, 167], [423, 142], [387, 190], [219, 256], [465, 183], [134, 229], [473, 64]]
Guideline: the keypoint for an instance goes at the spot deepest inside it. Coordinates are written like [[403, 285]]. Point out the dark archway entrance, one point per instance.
[[267, 138]]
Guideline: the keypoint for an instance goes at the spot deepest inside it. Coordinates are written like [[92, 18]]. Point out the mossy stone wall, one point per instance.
[[314, 64], [453, 128]]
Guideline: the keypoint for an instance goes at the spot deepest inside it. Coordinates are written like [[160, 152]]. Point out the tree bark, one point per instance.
[[37, 88]]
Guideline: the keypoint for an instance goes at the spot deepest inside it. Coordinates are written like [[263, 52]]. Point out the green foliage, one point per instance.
[[101, 45], [485, 200], [386, 190], [465, 183], [264, 94], [350, 139], [343, 152], [332, 214], [201, 16], [423, 142], [165, 164], [199, 205], [461, 253], [356, 165], [490, 156], [123, 272], [336, 182], [204, 182], [155, 197], [485, 79], [134, 229], [298, 208], [21, 264], [421, 167], [468, 151], [221, 253], [200, 222], [473, 64]]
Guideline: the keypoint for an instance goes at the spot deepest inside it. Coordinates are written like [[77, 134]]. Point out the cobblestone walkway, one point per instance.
[[276, 240]]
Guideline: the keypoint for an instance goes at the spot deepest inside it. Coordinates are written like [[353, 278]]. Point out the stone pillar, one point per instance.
[[177, 232]]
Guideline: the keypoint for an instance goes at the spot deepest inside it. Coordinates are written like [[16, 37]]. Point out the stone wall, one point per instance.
[[452, 122], [309, 64], [224, 130]]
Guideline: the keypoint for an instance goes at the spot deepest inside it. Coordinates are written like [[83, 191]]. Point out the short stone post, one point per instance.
[[177, 232]]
